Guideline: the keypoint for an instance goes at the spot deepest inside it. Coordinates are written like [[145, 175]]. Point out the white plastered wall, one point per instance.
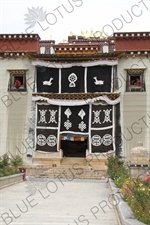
[[15, 108], [134, 106]]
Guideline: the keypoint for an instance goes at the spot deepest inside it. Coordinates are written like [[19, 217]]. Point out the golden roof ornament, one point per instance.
[[86, 34], [90, 34], [82, 33]]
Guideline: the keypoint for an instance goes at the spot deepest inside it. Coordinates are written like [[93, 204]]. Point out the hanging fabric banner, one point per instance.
[[47, 127], [75, 79], [102, 140], [75, 119], [102, 116], [72, 80], [99, 79], [46, 140], [68, 65], [76, 123], [71, 102], [47, 115], [73, 138], [47, 80]]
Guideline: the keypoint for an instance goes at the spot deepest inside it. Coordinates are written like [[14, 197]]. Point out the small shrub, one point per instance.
[[11, 168], [117, 170], [121, 176], [136, 192], [17, 161], [127, 188], [1, 165], [139, 201], [5, 160], [5, 171]]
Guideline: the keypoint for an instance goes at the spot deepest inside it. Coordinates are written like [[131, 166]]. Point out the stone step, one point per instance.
[[70, 167], [67, 161], [68, 173]]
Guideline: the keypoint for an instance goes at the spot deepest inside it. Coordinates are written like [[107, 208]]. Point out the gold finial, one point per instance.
[[82, 33], [86, 34], [106, 35], [71, 34]]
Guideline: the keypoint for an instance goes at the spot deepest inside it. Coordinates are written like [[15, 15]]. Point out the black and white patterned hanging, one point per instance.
[[47, 115], [99, 79], [102, 116], [72, 79], [53, 116], [47, 80], [75, 118], [42, 119], [102, 140], [46, 140]]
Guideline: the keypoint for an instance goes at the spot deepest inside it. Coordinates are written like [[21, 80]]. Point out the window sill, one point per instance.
[[136, 90], [15, 90]]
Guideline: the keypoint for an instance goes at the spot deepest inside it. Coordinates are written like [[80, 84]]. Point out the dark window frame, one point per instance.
[[21, 76], [131, 82]]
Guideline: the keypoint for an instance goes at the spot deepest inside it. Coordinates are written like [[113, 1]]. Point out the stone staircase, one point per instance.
[[70, 161], [69, 169]]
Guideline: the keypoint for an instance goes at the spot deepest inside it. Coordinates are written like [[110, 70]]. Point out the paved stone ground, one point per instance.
[[58, 202]]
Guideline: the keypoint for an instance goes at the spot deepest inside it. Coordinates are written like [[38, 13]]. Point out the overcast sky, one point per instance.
[[57, 18]]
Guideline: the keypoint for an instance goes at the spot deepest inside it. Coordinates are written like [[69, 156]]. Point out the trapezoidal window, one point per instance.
[[135, 80], [17, 81]]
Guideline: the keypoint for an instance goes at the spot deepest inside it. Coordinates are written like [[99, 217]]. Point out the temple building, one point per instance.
[[87, 97]]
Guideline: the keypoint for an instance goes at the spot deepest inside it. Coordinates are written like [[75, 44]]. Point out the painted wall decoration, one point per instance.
[[47, 80]]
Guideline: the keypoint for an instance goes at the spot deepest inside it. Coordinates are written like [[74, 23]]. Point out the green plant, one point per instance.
[[1, 165], [135, 191], [117, 170], [7, 168], [139, 201], [5, 160], [17, 161], [121, 176]]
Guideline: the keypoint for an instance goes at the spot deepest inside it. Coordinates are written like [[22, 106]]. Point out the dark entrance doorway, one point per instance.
[[74, 148]]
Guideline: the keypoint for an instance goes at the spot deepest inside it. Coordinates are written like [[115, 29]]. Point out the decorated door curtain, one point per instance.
[[94, 121], [76, 79], [47, 123], [101, 133], [74, 119], [71, 137]]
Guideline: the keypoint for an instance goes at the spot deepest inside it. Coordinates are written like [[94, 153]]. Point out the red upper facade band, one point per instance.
[[31, 43]]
